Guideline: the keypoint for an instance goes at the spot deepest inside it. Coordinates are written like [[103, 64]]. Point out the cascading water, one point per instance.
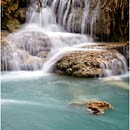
[[10, 60], [42, 33], [114, 66], [94, 17], [85, 16], [42, 16], [14, 59], [68, 11]]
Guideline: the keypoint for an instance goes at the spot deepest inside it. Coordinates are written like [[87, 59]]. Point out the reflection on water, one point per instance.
[[41, 102]]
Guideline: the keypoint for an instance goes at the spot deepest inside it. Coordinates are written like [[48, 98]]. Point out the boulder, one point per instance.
[[92, 63]]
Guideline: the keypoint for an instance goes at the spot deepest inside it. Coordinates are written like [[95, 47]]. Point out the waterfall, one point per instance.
[[61, 10], [94, 17], [10, 59], [43, 32], [85, 16], [42, 16], [67, 13], [114, 67]]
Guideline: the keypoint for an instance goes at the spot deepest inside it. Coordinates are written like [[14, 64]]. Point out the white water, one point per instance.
[[85, 16], [114, 67], [94, 17], [67, 14], [42, 33], [11, 101], [21, 75]]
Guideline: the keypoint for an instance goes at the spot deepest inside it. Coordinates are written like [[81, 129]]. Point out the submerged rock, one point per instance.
[[92, 63], [94, 107]]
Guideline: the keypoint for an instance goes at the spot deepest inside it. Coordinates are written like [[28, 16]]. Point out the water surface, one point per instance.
[[32, 101]]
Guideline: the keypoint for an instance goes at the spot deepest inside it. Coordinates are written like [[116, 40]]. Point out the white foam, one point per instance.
[[21, 75], [11, 101]]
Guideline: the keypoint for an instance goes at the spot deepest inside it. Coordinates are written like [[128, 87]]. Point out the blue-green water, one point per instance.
[[41, 103]]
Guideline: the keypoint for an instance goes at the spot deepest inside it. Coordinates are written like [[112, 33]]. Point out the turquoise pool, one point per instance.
[[32, 101]]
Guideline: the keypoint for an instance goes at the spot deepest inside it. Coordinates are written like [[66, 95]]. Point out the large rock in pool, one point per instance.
[[92, 63]]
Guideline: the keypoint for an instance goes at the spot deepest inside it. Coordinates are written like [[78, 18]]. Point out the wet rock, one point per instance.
[[32, 63], [43, 54], [94, 107], [13, 13], [121, 47], [21, 14], [12, 25], [92, 63]]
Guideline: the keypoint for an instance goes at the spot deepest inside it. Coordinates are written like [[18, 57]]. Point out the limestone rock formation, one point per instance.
[[13, 13], [92, 63], [121, 47]]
